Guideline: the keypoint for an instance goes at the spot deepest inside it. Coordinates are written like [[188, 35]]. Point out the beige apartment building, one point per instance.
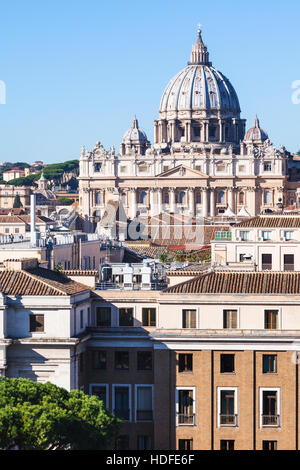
[[210, 363]]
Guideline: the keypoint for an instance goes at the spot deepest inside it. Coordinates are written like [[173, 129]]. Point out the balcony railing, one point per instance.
[[223, 236], [183, 418], [122, 414], [288, 267], [266, 267], [228, 420], [144, 415], [270, 420]]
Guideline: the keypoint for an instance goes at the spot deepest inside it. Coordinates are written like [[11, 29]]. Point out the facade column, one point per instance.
[[133, 204], [159, 201], [230, 199], [172, 200], [204, 202], [212, 202], [192, 201], [152, 204]]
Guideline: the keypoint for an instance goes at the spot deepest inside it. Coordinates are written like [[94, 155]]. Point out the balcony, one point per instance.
[[226, 236], [271, 420], [288, 267], [144, 415], [228, 420], [185, 419], [266, 267], [122, 414]]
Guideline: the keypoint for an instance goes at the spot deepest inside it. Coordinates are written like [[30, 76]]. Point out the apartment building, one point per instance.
[[208, 363], [263, 243]]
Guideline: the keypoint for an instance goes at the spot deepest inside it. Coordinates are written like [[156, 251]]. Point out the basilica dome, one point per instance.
[[256, 133], [199, 86], [135, 135], [135, 139]]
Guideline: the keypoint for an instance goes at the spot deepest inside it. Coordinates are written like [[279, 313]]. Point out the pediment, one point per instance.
[[182, 171]]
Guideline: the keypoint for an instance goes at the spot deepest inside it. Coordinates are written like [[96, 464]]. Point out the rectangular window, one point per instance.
[[288, 262], [81, 319], [36, 323], [230, 318], [185, 444], [269, 363], [185, 413], [270, 412], [103, 316], [149, 316], [121, 402], [244, 236], [266, 235], [144, 442], [185, 362], [226, 444], [271, 319], [101, 392], [144, 403], [288, 236], [122, 443], [126, 317], [269, 445], [267, 197], [266, 261], [99, 360], [144, 360], [267, 166], [89, 316], [227, 414], [227, 363], [189, 318], [122, 360]]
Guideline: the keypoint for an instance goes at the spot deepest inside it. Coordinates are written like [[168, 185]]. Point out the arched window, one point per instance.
[[241, 198], [98, 197], [182, 197], [143, 197], [267, 197], [166, 198], [198, 198], [221, 197]]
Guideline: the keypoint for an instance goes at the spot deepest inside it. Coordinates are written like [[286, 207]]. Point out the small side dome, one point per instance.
[[135, 138], [256, 133], [224, 151]]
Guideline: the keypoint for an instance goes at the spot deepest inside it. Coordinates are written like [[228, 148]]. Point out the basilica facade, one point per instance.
[[203, 161]]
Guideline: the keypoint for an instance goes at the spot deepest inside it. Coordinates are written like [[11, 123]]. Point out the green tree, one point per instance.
[[17, 202], [36, 416], [65, 201]]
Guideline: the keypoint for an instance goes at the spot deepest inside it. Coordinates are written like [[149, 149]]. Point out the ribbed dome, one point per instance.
[[256, 133], [134, 135], [199, 87]]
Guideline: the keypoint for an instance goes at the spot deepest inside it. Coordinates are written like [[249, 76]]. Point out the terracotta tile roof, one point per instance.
[[21, 219], [284, 221], [240, 283], [38, 281]]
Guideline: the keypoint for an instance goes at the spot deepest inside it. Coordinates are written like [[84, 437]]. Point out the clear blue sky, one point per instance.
[[77, 71]]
